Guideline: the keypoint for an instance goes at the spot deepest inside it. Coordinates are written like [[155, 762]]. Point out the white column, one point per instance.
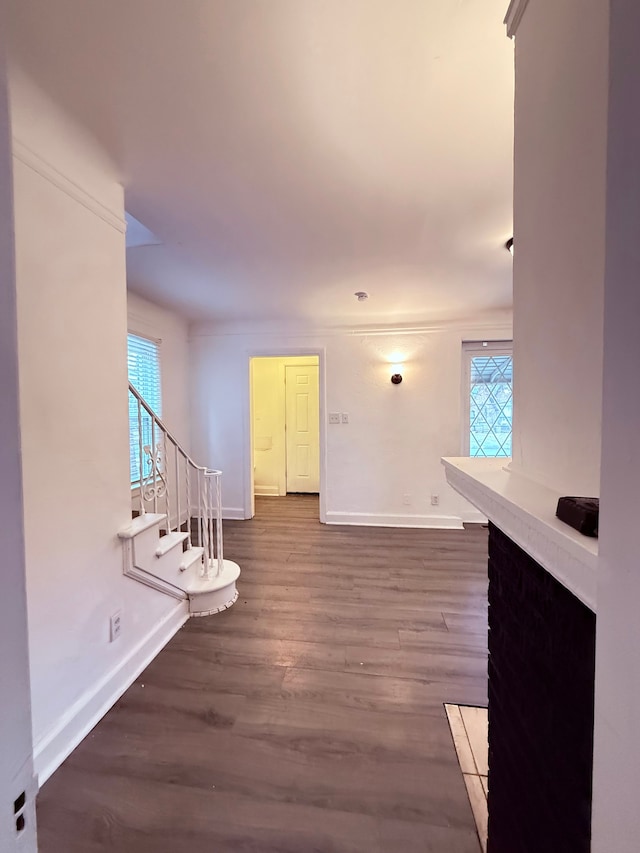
[[16, 763], [559, 215], [616, 815]]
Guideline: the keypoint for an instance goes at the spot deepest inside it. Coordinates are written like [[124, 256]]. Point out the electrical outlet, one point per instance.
[[435, 500], [345, 417], [334, 417], [406, 500], [115, 626]]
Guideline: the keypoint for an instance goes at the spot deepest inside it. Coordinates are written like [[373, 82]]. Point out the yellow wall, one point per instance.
[[268, 419]]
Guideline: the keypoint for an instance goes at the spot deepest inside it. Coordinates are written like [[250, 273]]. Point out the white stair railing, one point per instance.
[[170, 483]]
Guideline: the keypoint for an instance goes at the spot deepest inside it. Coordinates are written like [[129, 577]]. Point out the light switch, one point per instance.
[[345, 417]]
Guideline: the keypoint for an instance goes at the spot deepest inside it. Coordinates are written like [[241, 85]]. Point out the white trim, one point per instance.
[[474, 516], [525, 512], [195, 614], [367, 519], [497, 328], [284, 352], [146, 335], [52, 749], [234, 513], [514, 16], [267, 491], [35, 162]]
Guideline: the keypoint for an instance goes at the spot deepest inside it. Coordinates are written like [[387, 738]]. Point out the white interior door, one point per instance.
[[303, 428]]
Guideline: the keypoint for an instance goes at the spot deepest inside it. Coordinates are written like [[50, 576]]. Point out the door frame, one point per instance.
[[284, 352]]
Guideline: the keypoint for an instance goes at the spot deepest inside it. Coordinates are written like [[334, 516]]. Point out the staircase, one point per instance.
[[174, 544]]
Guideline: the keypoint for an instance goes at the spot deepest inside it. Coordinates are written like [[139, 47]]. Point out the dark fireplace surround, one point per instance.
[[541, 707]]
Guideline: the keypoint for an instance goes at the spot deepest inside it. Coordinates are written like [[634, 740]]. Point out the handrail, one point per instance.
[[168, 433], [159, 482]]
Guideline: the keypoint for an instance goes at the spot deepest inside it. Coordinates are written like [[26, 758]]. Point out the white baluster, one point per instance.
[[218, 509], [140, 458], [154, 464], [188, 482], [178, 520], [210, 510], [206, 539], [165, 474], [200, 527]]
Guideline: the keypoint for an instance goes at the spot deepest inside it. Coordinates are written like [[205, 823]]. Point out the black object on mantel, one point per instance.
[[580, 513]]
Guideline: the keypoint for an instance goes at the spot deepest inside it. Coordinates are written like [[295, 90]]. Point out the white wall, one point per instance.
[[560, 150], [153, 321], [395, 436], [72, 324], [616, 817], [578, 177], [269, 416], [16, 766]]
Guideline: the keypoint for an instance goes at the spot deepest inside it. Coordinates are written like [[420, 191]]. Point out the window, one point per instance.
[[488, 398], [144, 374]]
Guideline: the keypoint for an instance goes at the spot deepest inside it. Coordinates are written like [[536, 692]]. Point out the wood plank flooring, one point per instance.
[[309, 718]]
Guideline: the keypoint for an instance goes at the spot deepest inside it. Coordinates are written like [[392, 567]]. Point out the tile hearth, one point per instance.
[[469, 729]]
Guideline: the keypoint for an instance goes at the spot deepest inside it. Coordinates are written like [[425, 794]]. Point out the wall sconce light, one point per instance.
[[509, 245], [396, 373]]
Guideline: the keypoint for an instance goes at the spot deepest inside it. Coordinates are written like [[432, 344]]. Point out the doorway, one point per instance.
[[285, 425]]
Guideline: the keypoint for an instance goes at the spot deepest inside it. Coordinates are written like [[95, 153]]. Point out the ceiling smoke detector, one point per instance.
[[361, 295]]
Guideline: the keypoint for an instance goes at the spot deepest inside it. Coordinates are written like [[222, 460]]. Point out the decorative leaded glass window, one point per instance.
[[488, 404]]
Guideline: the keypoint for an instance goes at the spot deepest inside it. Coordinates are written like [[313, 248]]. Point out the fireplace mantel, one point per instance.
[[525, 511]]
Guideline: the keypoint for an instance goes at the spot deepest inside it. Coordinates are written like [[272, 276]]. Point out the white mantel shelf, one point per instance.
[[525, 512]]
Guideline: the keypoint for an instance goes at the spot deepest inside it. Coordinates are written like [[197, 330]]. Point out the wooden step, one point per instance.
[[140, 524], [191, 556], [168, 542], [212, 595]]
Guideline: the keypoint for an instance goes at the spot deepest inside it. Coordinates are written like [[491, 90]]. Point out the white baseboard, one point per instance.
[[474, 517], [233, 513], [267, 491], [82, 716], [365, 519]]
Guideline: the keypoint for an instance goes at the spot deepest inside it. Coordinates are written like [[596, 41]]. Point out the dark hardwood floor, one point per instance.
[[308, 718]]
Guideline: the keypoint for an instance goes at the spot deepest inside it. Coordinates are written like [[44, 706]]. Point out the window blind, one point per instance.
[[143, 361]]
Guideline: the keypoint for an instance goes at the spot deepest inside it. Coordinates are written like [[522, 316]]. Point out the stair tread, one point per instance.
[[140, 524], [170, 541], [230, 574], [190, 556]]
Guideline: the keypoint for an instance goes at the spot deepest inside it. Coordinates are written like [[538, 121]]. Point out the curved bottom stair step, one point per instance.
[[215, 594]]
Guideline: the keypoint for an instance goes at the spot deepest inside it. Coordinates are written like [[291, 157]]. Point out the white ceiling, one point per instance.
[[290, 152]]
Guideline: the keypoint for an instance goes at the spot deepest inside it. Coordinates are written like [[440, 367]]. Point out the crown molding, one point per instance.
[[464, 326], [514, 16], [34, 161], [498, 328]]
